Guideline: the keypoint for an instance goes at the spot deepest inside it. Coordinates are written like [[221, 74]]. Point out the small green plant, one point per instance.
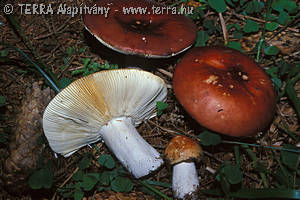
[[109, 178], [2, 101], [90, 67], [161, 106], [42, 177], [230, 177]]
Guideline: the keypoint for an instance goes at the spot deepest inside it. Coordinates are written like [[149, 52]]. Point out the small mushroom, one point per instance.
[[107, 105], [225, 91], [181, 153], [146, 33]]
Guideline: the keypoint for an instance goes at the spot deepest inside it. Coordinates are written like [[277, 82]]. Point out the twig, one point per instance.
[[284, 57], [165, 72], [224, 30], [57, 31], [65, 182], [173, 133]]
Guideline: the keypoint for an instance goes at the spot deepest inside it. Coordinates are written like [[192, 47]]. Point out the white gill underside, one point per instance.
[[185, 179], [75, 116], [122, 138]]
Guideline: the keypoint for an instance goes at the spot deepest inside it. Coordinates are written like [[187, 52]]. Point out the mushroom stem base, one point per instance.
[[122, 138], [185, 180]]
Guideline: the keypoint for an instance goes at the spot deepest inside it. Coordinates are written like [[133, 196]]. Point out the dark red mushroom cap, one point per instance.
[[225, 91], [149, 35]]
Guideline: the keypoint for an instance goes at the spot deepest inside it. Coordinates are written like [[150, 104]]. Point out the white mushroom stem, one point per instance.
[[122, 138], [185, 180]]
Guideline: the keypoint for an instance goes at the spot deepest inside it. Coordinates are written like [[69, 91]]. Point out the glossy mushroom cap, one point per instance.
[[225, 91], [182, 148], [148, 35]]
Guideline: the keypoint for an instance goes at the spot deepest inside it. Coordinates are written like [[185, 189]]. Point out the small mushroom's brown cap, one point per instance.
[[182, 148], [225, 91], [150, 34]]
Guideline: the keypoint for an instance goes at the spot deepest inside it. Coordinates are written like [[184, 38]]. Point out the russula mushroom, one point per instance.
[[107, 105], [149, 34], [181, 153], [225, 91]]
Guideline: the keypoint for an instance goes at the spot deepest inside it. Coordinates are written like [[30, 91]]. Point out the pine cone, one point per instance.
[[24, 147]]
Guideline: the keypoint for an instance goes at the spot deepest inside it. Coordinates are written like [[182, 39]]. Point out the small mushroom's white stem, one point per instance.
[[122, 138], [185, 180]]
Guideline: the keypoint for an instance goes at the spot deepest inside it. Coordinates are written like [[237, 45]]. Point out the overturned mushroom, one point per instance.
[[107, 105], [181, 153]]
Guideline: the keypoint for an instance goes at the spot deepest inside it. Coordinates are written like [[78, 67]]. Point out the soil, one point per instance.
[[48, 39]]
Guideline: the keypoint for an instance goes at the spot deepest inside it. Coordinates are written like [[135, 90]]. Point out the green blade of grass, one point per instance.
[[162, 184], [261, 146], [51, 82], [253, 157], [267, 193], [153, 189], [293, 97], [237, 155]]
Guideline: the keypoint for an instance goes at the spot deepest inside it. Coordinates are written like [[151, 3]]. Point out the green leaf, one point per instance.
[[161, 106], [84, 163], [3, 53], [278, 5], [104, 178], [235, 45], [218, 5], [259, 166], [208, 138], [89, 181], [288, 5], [106, 161], [271, 50], [237, 35], [2, 100], [64, 82], [42, 178], [78, 194], [272, 26], [290, 159], [242, 2], [250, 26], [233, 174], [229, 2], [70, 50], [283, 18], [121, 184], [202, 38], [209, 25], [277, 82], [291, 6], [78, 175], [254, 7]]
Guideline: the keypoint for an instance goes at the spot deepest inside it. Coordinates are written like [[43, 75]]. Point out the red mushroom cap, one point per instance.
[[225, 91], [182, 148], [150, 35]]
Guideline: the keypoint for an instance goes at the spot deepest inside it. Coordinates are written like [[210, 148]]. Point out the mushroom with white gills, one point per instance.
[[107, 105], [181, 152]]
